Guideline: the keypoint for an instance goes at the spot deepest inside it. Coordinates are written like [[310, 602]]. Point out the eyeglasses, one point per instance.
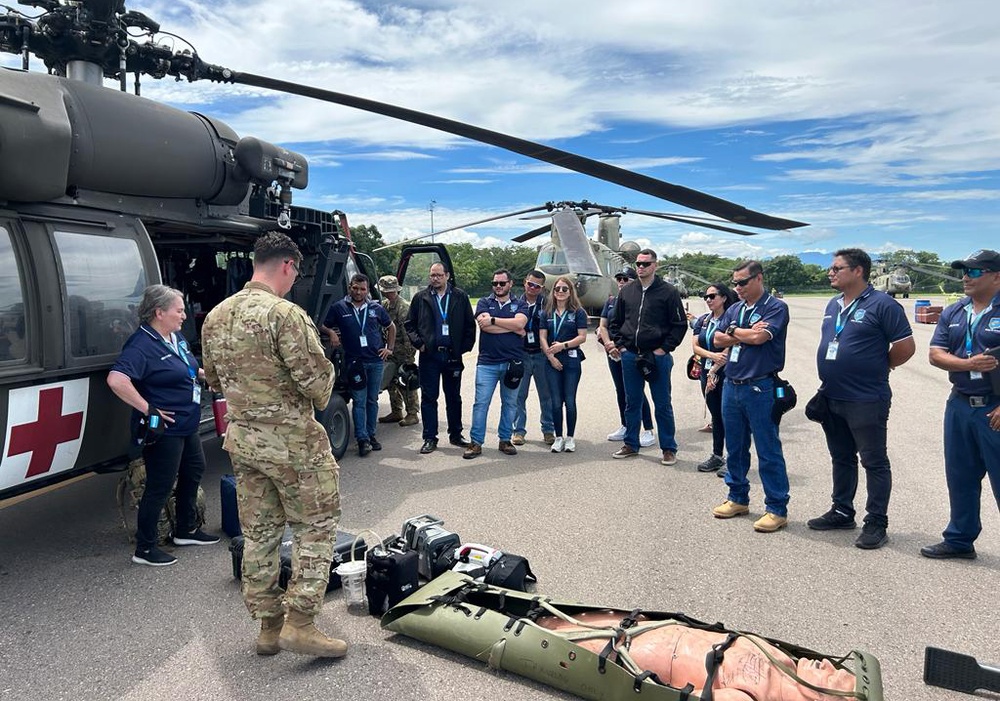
[[622, 278], [974, 272], [744, 282], [561, 288], [500, 283], [710, 296], [644, 263], [295, 266], [837, 268], [533, 285]]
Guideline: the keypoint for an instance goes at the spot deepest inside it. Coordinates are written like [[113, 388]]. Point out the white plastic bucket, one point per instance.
[[352, 574]]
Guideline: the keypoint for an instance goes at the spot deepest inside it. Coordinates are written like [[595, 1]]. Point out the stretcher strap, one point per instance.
[[799, 680], [713, 660]]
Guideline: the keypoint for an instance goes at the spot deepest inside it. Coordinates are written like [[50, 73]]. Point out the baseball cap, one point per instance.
[[388, 283], [628, 273], [984, 259]]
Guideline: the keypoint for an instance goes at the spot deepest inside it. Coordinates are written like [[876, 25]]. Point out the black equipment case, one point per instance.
[[341, 553]]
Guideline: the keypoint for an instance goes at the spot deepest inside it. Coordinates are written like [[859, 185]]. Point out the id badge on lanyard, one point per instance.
[[734, 353], [531, 337], [831, 349]]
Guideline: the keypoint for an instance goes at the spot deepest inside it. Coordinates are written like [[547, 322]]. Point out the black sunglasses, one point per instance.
[[710, 295], [644, 263], [744, 281], [500, 283], [561, 288], [621, 278]]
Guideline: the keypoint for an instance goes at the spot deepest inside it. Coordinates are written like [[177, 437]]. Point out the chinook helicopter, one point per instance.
[[892, 282], [103, 192]]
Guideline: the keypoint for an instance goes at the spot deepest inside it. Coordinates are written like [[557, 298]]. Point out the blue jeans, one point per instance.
[[746, 411], [364, 403], [616, 376], [534, 367], [853, 429], [487, 379], [635, 395], [971, 451], [562, 386]]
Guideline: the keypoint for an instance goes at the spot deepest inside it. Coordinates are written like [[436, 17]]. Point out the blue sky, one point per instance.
[[876, 122]]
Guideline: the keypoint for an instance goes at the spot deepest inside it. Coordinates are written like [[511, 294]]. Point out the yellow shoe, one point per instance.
[[769, 523], [728, 509]]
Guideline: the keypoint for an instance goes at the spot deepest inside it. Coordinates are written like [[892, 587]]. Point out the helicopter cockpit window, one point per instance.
[[104, 281], [549, 255], [12, 322]]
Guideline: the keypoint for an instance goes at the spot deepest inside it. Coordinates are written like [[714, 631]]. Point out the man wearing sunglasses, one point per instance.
[[864, 335], [501, 319], [966, 343], [754, 331], [534, 363], [649, 321]]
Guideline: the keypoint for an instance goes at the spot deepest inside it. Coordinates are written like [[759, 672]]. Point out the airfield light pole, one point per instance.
[[430, 208]]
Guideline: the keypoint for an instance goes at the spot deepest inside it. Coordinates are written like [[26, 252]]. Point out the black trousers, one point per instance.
[[713, 400], [856, 429], [435, 374], [170, 458]]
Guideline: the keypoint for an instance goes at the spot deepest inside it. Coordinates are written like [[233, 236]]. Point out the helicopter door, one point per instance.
[[414, 267]]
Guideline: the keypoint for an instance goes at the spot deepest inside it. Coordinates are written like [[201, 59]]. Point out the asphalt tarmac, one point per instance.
[[79, 621]]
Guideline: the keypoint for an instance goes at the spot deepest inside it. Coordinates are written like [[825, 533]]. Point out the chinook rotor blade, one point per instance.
[[460, 226], [572, 237], [527, 236], [677, 194], [694, 222]]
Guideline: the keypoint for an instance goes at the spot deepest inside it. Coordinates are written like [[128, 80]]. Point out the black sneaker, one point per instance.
[[154, 557], [946, 551], [374, 443], [833, 520], [872, 537], [197, 537], [713, 463], [364, 447]]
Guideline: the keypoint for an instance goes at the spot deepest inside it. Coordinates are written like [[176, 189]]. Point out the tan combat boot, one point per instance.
[[270, 629], [299, 634]]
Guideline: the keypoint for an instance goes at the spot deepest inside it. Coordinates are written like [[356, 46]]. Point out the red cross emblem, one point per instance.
[[42, 436]]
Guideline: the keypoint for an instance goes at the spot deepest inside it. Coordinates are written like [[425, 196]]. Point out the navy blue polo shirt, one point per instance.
[[564, 328], [767, 358], [495, 348], [164, 376], [536, 320], [352, 322], [952, 335], [609, 308], [704, 327], [860, 371]]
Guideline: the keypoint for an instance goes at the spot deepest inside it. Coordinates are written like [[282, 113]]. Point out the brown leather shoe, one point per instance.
[[669, 458], [549, 438], [390, 418], [473, 451], [624, 452], [507, 448]]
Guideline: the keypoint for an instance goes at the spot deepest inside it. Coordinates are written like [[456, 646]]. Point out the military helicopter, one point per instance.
[[103, 192], [892, 282]]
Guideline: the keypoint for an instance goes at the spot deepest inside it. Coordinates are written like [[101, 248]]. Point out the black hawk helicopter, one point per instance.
[[103, 192]]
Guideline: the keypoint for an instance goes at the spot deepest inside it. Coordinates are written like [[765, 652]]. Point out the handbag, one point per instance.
[[817, 408]]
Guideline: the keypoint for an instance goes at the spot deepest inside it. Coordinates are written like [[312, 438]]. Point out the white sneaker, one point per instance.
[[618, 435], [646, 439], [559, 444], [570, 445]]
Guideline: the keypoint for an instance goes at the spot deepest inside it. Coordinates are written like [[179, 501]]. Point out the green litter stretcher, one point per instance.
[[612, 655]]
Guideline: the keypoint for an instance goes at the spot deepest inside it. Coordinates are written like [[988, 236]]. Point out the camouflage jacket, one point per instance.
[[265, 354], [399, 310]]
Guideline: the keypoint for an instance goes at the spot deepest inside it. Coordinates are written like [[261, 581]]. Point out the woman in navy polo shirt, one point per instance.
[[562, 335], [718, 298], [156, 374]]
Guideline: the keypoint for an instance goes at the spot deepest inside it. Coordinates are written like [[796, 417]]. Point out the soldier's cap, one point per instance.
[[388, 283], [627, 273], [984, 259]]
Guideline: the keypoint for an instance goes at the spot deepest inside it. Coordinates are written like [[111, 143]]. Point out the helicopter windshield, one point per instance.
[[551, 258]]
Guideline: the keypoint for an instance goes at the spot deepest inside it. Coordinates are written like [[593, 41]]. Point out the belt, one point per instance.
[[533, 351], [976, 401], [749, 381]]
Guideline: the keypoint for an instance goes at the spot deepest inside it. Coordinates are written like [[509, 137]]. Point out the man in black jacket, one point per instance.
[[442, 328], [649, 321]]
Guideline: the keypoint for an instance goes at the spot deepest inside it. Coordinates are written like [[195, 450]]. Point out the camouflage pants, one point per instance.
[[307, 497], [397, 395]]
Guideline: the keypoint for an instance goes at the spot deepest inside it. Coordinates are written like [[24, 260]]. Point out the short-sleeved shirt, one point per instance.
[[164, 374], [952, 334], [536, 321], [767, 358], [860, 370], [562, 328], [352, 323], [495, 348], [704, 328], [609, 308]]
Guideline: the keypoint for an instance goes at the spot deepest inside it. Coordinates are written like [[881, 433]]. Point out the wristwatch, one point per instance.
[[493, 320], [732, 329]]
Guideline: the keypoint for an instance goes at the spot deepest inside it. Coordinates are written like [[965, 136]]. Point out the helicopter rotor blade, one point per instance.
[[570, 234], [460, 226], [694, 222], [527, 236], [677, 194]]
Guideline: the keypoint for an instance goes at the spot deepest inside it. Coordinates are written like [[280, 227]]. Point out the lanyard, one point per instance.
[[713, 324], [178, 349], [443, 306], [361, 318], [531, 315], [557, 323], [970, 329], [746, 309], [842, 316]]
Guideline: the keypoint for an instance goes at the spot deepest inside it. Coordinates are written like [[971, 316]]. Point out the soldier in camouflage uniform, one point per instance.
[[264, 353], [399, 310]]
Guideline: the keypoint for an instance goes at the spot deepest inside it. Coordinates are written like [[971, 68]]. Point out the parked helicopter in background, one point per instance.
[[893, 282], [103, 193]]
